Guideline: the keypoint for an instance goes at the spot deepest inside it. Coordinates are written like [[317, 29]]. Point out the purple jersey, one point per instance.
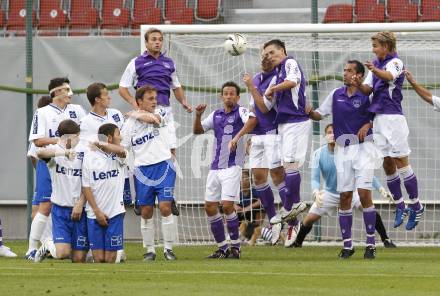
[[155, 72], [387, 95], [266, 121], [291, 103], [226, 126], [349, 114]]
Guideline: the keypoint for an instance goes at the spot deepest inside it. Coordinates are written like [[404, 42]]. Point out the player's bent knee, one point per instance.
[[211, 208], [146, 212], [310, 219], [44, 208], [228, 207]]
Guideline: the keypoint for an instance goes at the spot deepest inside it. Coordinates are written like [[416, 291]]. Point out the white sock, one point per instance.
[[47, 234], [52, 249], [37, 228], [168, 231], [147, 231]]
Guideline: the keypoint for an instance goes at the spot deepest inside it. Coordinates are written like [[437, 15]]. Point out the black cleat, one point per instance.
[[136, 209], [233, 253], [296, 245], [388, 243], [174, 209], [346, 253], [150, 256], [370, 252], [169, 255], [219, 254]]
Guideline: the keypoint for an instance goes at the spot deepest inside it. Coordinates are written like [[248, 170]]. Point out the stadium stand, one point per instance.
[[144, 12], [17, 18], [207, 10], [369, 11], [51, 17], [401, 11], [115, 16], [177, 12], [339, 13], [430, 11], [84, 18]]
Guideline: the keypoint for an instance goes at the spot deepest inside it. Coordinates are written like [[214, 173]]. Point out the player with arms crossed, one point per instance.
[[103, 180], [355, 154], [223, 181], [384, 81], [44, 132], [64, 161], [328, 199], [288, 93], [144, 133], [425, 94]]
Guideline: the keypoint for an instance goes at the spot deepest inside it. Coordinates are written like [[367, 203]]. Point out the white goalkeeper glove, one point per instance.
[[318, 196], [386, 194]]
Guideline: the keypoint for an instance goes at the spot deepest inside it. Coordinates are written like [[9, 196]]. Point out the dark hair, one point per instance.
[[44, 101], [278, 43], [94, 91], [359, 67], [327, 127], [107, 129], [140, 92], [68, 127], [231, 84], [55, 82], [151, 30]]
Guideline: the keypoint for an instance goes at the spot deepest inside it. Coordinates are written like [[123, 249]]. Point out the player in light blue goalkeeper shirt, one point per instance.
[[328, 199]]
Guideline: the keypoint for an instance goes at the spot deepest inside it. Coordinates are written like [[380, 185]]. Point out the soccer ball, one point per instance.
[[235, 44]]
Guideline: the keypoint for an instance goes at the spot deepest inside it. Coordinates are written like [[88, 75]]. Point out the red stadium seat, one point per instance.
[[177, 12], [2, 23], [369, 11], [207, 10], [430, 11], [115, 17], [83, 17], [52, 17], [17, 18], [339, 13], [144, 12], [401, 11]]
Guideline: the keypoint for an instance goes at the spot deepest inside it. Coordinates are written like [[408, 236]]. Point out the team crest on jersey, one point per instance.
[[396, 65], [72, 114], [80, 155], [357, 103], [166, 65], [116, 117]]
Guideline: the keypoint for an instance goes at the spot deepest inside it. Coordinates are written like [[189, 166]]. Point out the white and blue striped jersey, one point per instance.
[[46, 120], [91, 122], [148, 142], [323, 162], [104, 174], [65, 175]]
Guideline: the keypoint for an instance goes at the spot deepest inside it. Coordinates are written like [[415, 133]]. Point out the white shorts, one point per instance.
[[331, 203], [265, 152], [355, 165], [294, 141], [390, 133], [171, 129], [223, 184]]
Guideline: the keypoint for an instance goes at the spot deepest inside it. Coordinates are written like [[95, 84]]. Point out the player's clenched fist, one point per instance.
[[200, 109]]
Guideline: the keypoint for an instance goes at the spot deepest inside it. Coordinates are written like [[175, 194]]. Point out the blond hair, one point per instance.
[[387, 39]]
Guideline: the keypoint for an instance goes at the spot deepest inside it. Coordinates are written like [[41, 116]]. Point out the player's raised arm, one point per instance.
[[198, 128], [249, 125], [258, 98], [425, 94]]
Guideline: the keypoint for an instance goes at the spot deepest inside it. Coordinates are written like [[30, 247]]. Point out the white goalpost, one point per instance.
[[321, 49]]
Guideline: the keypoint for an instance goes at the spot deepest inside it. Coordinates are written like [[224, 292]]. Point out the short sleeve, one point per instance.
[[80, 112], [208, 122], [245, 114], [369, 79], [325, 108], [436, 103], [129, 76], [175, 81], [38, 129], [293, 73], [395, 67], [85, 179], [126, 133]]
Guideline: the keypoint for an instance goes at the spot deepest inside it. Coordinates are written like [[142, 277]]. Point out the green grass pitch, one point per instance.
[[261, 271]]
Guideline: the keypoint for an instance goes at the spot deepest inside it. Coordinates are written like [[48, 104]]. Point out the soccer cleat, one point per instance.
[[6, 252], [292, 232], [413, 217], [120, 256], [370, 252], [174, 209], [346, 253], [398, 219], [233, 253], [150, 256], [30, 255], [388, 243], [296, 245], [285, 216], [42, 253], [266, 234], [219, 254], [276, 231], [169, 255]]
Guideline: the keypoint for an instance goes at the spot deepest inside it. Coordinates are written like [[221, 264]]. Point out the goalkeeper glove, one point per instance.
[[318, 196], [386, 194]]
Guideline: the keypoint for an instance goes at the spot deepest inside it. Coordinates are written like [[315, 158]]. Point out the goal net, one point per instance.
[[203, 65]]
